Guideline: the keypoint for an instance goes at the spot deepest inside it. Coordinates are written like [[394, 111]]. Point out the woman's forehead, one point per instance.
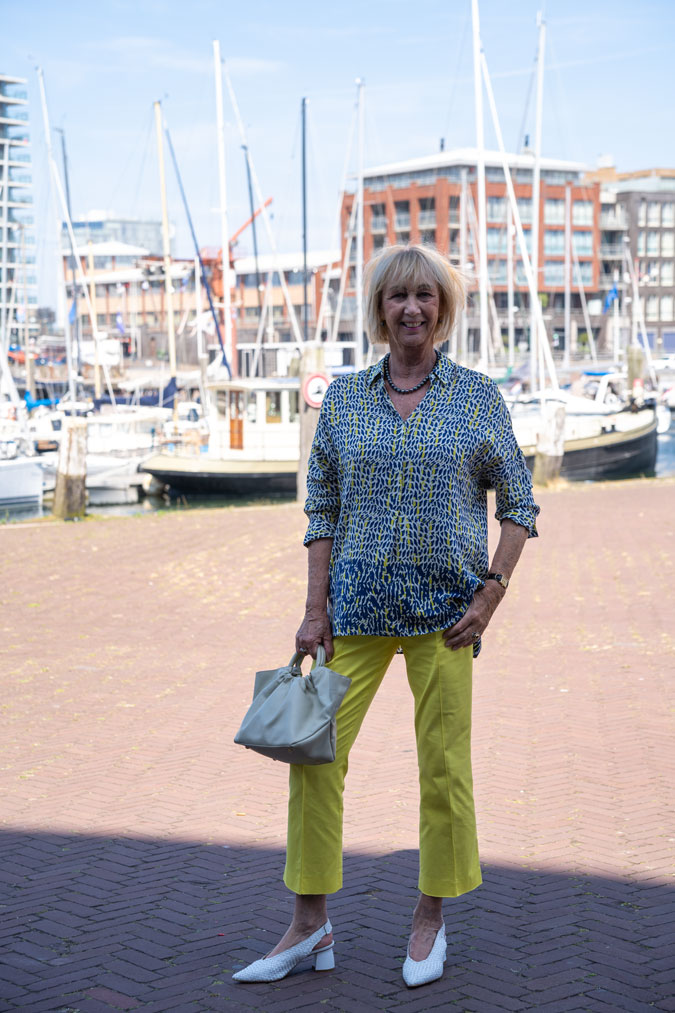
[[411, 274]]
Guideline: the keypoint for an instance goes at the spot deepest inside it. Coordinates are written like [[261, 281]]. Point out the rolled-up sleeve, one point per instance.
[[505, 471], [322, 505]]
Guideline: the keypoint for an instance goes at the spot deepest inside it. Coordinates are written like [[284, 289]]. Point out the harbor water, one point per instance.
[[665, 468]]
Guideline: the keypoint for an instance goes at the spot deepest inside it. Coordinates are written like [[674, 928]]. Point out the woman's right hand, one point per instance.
[[315, 629]]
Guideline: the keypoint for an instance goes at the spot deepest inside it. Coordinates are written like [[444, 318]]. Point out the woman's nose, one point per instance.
[[411, 303]]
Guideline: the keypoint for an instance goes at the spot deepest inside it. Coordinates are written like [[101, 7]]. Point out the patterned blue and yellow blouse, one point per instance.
[[405, 501]]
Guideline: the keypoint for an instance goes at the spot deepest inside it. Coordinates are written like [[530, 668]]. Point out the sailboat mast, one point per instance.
[[463, 257], [304, 219], [166, 246], [480, 171], [358, 351], [510, 286], [536, 179], [568, 275], [66, 181], [61, 271], [224, 232]]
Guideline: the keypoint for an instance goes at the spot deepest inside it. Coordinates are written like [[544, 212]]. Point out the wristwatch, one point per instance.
[[500, 578]]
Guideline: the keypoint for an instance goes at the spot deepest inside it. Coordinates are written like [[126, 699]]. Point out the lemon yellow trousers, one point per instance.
[[440, 680]]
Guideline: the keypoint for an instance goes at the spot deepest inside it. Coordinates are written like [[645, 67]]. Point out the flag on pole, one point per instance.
[[120, 323], [73, 313], [610, 297]]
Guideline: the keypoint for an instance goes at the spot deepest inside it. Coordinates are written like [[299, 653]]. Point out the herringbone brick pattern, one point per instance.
[[141, 851]]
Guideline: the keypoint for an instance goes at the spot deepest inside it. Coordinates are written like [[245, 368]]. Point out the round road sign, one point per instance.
[[314, 389]]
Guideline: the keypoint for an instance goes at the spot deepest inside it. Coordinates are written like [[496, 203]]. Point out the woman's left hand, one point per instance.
[[476, 618]]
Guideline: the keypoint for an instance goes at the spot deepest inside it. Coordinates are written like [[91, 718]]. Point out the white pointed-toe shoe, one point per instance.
[[421, 972], [277, 967]]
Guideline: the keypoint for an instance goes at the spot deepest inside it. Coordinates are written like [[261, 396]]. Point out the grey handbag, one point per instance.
[[292, 717]]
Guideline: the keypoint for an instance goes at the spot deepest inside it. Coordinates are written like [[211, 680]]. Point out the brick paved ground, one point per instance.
[[141, 851]]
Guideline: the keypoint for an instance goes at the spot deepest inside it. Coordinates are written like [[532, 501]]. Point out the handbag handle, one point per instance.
[[297, 659]]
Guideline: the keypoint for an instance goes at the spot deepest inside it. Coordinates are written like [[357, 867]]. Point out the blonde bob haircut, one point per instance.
[[412, 265]]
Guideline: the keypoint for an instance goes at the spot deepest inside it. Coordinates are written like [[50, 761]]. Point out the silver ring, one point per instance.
[[475, 636]]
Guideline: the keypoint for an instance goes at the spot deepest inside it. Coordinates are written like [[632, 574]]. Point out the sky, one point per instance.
[[608, 89]]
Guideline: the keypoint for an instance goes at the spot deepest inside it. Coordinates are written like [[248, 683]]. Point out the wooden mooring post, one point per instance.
[[70, 495], [313, 384], [550, 443]]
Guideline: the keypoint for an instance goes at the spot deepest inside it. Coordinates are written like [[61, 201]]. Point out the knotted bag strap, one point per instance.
[[297, 659]]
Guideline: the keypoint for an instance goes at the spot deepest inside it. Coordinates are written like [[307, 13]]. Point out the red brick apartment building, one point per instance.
[[419, 201]]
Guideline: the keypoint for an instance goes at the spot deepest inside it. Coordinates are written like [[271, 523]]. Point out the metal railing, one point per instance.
[[608, 220], [426, 219], [378, 223], [611, 251], [402, 220]]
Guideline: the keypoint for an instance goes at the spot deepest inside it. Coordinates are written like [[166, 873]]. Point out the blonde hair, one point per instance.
[[412, 265]]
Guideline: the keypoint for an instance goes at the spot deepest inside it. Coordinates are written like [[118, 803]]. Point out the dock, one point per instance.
[[141, 851]]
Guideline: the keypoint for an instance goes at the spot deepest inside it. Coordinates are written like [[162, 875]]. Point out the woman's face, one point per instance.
[[411, 314]]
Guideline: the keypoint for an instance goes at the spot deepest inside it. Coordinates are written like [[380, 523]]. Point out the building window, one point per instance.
[[642, 213], [667, 273], [378, 242], [293, 405], [652, 307], [652, 244], [641, 244], [496, 209], [668, 214], [402, 215], [427, 213], [403, 238], [454, 210], [554, 272], [652, 272], [428, 237], [667, 307], [586, 272], [496, 240], [582, 212], [667, 245], [583, 242], [525, 210], [653, 212], [453, 241], [497, 272], [554, 212], [378, 218], [554, 241]]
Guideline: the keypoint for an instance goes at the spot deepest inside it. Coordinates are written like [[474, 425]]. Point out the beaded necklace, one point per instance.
[[406, 390]]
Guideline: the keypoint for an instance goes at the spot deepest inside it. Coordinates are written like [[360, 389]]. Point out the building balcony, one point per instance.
[[378, 223], [610, 220], [611, 251], [10, 94], [12, 121], [426, 220], [453, 216]]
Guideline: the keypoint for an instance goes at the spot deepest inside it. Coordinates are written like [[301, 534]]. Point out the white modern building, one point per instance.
[[18, 282]]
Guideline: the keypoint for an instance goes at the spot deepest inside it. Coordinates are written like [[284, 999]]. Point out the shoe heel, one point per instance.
[[325, 959]]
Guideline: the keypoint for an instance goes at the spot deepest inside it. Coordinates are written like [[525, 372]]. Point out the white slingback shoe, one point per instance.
[[421, 972], [277, 967]]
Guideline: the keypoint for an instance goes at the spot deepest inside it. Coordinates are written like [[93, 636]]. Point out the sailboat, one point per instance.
[[575, 438]]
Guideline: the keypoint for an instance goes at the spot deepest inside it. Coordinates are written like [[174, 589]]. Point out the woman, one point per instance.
[[397, 544]]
